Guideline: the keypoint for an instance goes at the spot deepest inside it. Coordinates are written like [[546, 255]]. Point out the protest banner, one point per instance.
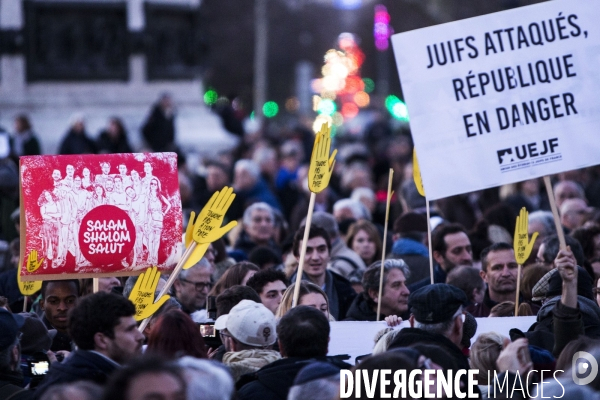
[[319, 174], [356, 338], [503, 97], [98, 215]]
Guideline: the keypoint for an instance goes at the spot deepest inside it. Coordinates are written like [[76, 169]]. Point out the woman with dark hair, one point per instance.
[[363, 238], [114, 138], [237, 274], [175, 335]]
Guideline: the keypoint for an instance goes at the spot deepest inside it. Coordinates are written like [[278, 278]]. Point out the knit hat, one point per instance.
[[36, 337]]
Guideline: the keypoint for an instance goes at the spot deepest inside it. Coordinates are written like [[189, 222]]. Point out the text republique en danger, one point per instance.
[[486, 82]]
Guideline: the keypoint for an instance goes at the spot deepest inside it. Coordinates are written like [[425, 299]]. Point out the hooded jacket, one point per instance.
[[248, 361]]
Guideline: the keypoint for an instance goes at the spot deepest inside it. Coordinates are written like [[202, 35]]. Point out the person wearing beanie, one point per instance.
[[36, 341], [318, 377]]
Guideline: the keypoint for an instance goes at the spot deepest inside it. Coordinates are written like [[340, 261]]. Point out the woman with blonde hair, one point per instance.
[[310, 295], [363, 238], [483, 356]]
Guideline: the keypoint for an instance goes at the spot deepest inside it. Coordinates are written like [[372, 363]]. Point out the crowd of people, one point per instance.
[[230, 329]]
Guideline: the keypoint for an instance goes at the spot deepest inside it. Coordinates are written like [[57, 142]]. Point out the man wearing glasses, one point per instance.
[[192, 286]]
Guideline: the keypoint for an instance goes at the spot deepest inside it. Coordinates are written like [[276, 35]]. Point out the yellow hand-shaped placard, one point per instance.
[[207, 227], [28, 288], [32, 262], [199, 250], [522, 245], [417, 175], [321, 163], [142, 295]]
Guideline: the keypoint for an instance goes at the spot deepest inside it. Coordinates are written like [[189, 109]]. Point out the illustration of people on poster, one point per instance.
[[90, 214]]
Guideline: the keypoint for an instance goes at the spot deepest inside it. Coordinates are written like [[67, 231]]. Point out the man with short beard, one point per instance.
[[106, 335], [451, 247], [499, 270]]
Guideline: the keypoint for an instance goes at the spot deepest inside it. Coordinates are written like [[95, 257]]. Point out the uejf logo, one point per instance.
[[585, 368], [528, 155]]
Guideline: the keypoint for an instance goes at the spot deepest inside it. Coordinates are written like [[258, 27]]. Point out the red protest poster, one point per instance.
[[98, 215]]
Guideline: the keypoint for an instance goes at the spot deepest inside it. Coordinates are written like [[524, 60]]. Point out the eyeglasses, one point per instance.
[[199, 285], [223, 335]]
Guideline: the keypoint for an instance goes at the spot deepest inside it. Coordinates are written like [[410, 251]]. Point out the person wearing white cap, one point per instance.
[[248, 333]]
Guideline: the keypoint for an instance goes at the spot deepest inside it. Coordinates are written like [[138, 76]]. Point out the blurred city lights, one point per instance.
[[210, 97], [347, 4], [292, 104], [397, 108], [349, 110], [326, 107], [381, 28], [270, 109], [362, 99], [337, 119], [341, 84], [400, 111], [369, 84]]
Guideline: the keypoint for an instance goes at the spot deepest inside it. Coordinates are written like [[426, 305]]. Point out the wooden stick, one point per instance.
[[518, 290], [171, 279], [429, 241], [385, 227], [311, 207], [559, 229], [95, 285], [24, 303]]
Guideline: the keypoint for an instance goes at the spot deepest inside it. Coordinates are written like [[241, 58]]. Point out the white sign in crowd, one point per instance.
[[503, 97]]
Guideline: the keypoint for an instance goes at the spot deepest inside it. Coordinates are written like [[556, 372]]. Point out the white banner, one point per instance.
[[503, 97], [355, 338]]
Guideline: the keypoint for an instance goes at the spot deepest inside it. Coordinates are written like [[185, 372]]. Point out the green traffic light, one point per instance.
[[270, 109], [210, 97]]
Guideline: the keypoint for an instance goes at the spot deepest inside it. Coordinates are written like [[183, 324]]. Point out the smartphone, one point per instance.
[[210, 334], [208, 330], [37, 368]]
